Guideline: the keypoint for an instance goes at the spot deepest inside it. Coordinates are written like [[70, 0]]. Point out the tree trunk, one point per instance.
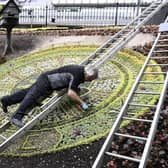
[[8, 45]]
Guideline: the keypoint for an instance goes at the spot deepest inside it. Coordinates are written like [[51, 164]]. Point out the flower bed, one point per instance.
[[66, 126]]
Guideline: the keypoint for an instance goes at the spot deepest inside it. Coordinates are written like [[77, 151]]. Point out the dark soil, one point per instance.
[[21, 45], [83, 156]]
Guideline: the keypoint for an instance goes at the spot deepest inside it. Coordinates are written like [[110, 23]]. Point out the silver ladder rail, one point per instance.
[[116, 42], [122, 115], [52, 103]]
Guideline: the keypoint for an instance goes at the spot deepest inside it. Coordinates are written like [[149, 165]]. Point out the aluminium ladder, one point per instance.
[[158, 52], [100, 56]]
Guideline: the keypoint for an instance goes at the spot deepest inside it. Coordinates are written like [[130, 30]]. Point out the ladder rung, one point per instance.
[[114, 43], [99, 53], [118, 38], [113, 111], [123, 157], [157, 64], [166, 40], [160, 51], [142, 105], [104, 48], [155, 6], [162, 35], [149, 82], [124, 34], [152, 6], [131, 136], [90, 59], [142, 17], [147, 12], [155, 73], [162, 45], [137, 119], [164, 57], [148, 93], [3, 137]]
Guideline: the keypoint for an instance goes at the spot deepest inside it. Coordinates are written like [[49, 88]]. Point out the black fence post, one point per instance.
[[30, 13], [116, 16], [138, 7], [46, 24]]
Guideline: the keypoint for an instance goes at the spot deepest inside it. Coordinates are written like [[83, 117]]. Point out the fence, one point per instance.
[[81, 14]]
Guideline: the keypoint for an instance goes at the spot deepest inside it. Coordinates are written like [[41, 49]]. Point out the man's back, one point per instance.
[[76, 70]]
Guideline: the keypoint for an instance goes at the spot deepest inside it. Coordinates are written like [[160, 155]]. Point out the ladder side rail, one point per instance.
[[115, 35], [153, 128], [29, 125], [116, 124]]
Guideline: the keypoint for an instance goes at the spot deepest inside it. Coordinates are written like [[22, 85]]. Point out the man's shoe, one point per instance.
[[3, 106], [17, 122]]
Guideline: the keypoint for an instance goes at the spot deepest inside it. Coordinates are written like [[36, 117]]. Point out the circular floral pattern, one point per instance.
[[66, 126]]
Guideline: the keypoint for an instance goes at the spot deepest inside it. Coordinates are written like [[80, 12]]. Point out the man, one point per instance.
[[69, 77]]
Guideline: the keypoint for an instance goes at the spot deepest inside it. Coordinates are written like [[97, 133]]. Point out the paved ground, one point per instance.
[[24, 44], [140, 39]]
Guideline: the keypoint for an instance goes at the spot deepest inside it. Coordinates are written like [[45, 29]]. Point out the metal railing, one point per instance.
[[81, 14]]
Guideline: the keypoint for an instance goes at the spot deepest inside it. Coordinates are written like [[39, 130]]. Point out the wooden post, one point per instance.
[[8, 46]]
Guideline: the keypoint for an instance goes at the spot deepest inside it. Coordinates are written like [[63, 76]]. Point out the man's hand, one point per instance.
[[82, 107]]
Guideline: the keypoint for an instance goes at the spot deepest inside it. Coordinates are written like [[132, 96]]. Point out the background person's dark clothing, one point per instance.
[[42, 88]]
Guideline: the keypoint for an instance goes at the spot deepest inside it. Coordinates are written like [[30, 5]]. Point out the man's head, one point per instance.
[[91, 74]]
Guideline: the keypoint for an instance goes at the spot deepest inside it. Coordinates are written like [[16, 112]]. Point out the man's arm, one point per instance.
[[81, 105], [73, 95]]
